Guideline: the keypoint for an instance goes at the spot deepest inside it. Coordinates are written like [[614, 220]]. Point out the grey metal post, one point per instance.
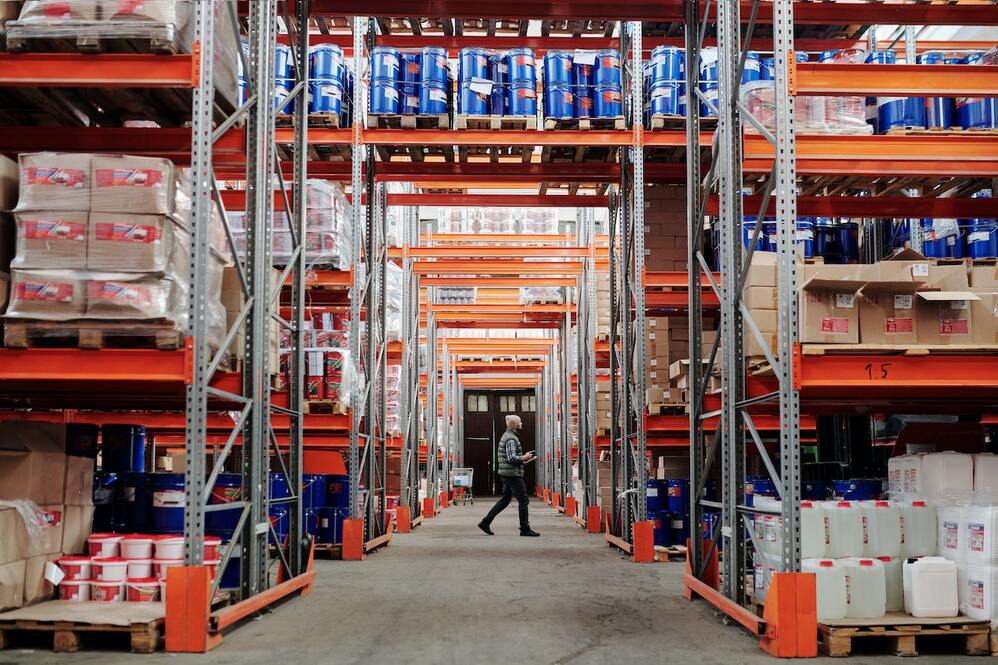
[[357, 287]]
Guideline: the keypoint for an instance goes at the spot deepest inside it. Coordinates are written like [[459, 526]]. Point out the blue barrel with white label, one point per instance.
[[123, 449], [498, 68], [938, 110], [522, 65], [282, 95], [826, 239], [805, 235], [767, 71], [748, 230], [409, 97], [433, 65], [384, 96], [167, 502], [932, 247], [680, 529], [667, 64], [283, 65], [677, 496], [708, 80], [559, 101], [433, 97], [896, 111], [661, 527], [278, 512], [326, 62], [656, 492], [472, 102], [499, 99], [385, 63], [326, 96], [314, 490], [409, 67], [582, 72], [608, 102], [982, 238], [666, 97], [849, 241], [558, 68], [768, 241], [522, 99], [607, 69], [583, 100], [330, 525], [956, 246], [473, 63], [974, 112], [753, 67]]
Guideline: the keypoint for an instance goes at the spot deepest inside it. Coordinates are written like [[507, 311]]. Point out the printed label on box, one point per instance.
[[920, 270], [47, 291], [834, 325], [903, 301], [40, 175], [118, 292], [138, 233], [954, 327], [55, 230], [845, 300], [959, 304], [975, 534], [951, 535], [975, 595], [168, 499], [129, 177], [898, 326]]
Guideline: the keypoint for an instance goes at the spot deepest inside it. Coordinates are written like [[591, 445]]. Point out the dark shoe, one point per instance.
[[529, 532], [486, 529]]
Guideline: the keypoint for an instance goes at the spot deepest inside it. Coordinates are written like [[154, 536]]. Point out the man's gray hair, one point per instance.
[[512, 420]]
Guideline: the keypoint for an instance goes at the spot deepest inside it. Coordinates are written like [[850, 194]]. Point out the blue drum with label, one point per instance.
[[932, 247], [826, 239], [123, 449], [138, 503], [558, 68], [849, 241], [499, 99], [433, 65], [896, 111], [498, 69], [326, 97], [409, 97], [608, 102], [283, 65], [433, 97], [678, 496], [582, 73], [805, 235], [384, 96], [472, 102], [662, 527], [522, 99], [385, 63], [409, 67], [767, 69], [559, 101], [982, 239], [338, 490], [974, 112], [522, 65], [655, 495], [709, 89], [666, 97], [938, 110], [167, 502], [473, 63], [748, 230], [330, 525], [326, 62], [768, 240], [313, 490], [753, 67], [607, 70], [583, 102], [667, 64]]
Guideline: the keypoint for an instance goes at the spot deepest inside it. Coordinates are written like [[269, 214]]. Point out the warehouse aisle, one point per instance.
[[449, 594]]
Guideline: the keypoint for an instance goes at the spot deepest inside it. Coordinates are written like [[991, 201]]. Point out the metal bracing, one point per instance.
[[430, 417], [565, 407], [725, 451], [409, 380], [586, 367], [357, 287]]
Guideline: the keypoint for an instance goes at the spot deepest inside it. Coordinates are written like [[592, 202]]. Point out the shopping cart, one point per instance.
[[463, 478]]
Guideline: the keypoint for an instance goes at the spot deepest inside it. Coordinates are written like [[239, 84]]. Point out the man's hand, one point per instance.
[[529, 457]]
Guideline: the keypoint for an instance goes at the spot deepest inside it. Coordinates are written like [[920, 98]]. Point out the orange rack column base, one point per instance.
[[444, 500], [403, 520], [353, 540], [188, 610], [556, 500], [428, 508], [594, 520], [644, 542], [790, 614], [570, 506], [547, 495]]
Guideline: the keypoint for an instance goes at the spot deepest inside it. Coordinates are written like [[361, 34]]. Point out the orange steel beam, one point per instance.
[[486, 381], [172, 421], [105, 70], [489, 308], [168, 142], [676, 279], [678, 300], [564, 137], [496, 267], [505, 237], [488, 282], [492, 251], [868, 79], [233, 614], [876, 206], [502, 200]]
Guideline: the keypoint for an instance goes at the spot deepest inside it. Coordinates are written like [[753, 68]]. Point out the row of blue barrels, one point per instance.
[[139, 502], [497, 82], [409, 81], [851, 489], [835, 241], [582, 84], [977, 238]]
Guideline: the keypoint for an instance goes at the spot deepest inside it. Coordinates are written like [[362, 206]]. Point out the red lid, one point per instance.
[[918, 504], [212, 539], [143, 580], [843, 504], [866, 562], [101, 560], [882, 504], [806, 504], [75, 558], [824, 563], [103, 536], [140, 536], [884, 558]]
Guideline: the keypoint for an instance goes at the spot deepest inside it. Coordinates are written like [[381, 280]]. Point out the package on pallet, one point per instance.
[[814, 115], [498, 221], [137, 243], [51, 239], [50, 295], [944, 314], [54, 11], [126, 183], [54, 181], [539, 221], [530, 295], [828, 303]]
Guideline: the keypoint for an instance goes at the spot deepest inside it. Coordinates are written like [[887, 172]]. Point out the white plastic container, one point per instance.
[[866, 588], [103, 544], [108, 569], [952, 534], [895, 475], [893, 582], [979, 592], [139, 568], [945, 473], [830, 587], [772, 534], [812, 530], [142, 590], [843, 529], [764, 566], [918, 529], [74, 590], [169, 547], [981, 530], [160, 566], [911, 470], [881, 528], [986, 477], [136, 546], [930, 587], [75, 568], [107, 592]]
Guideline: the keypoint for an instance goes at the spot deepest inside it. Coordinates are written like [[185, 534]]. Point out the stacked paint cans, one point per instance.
[[668, 507], [708, 81], [982, 234], [284, 79], [665, 83], [500, 83], [582, 84], [939, 112], [976, 238], [976, 112], [896, 111], [409, 82], [330, 86]]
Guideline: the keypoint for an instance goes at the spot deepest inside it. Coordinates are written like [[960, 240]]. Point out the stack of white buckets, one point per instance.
[[930, 551]]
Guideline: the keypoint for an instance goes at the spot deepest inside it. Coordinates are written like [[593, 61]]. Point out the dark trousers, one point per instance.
[[511, 486]]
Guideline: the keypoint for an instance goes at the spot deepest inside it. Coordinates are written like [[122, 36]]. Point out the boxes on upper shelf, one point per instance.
[[829, 312]]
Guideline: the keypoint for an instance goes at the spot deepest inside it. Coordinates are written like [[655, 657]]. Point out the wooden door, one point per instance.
[[480, 440]]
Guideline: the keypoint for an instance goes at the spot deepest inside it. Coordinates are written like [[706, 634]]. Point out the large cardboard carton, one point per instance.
[[11, 543], [54, 181], [50, 522], [887, 302], [984, 313], [79, 481], [51, 239], [12, 585], [50, 295], [130, 184], [829, 311], [135, 296], [37, 586], [52, 13], [984, 277], [119, 242], [77, 524], [8, 175], [762, 270], [29, 452], [759, 297], [944, 317]]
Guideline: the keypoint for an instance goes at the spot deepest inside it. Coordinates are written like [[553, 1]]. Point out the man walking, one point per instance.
[[511, 463]]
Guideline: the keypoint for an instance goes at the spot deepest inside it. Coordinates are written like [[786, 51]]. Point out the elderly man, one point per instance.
[[511, 463]]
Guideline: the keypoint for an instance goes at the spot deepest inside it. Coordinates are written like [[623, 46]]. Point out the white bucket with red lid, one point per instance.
[[170, 547], [140, 568], [136, 546], [107, 592], [142, 590], [74, 590], [109, 569], [75, 568], [104, 544], [160, 566]]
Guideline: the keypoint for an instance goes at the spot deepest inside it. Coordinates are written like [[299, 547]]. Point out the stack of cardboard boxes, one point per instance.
[[666, 247], [603, 388], [8, 199], [46, 508], [602, 304]]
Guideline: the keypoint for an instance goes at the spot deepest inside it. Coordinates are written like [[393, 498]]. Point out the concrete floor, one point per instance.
[[449, 594]]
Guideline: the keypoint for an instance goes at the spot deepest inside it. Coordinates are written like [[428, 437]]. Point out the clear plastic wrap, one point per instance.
[[50, 239], [530, 295], [498, 220], [330, 374], [34, 519], [456, 220], [456, 295], [814, 115], [539, 221]]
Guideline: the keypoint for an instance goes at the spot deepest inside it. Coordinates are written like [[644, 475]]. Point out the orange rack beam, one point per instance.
[[495, 267], [491, 282], [105, 70], [868, 79]]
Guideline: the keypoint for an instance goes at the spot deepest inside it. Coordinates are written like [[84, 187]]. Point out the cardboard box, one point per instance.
[[51, 522], [759, 297], [12, 585], [28, 454], [984, 313], [944, 317], [8, 168], [77, 524], [137, 296], [120, 242], [54, 181], [762, 270], [888, 302], [4, 290], [829, 311], [79, 481], [53, 295], [12, 544], [51, 239], [37, 587], [130, 184], [654, 395], [948, 278], [984, 277]]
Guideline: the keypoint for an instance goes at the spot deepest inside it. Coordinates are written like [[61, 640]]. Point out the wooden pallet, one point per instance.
[[94, 37], [585, 124], [73, 628], [495, 122], [896, 349], [660, 121], [22, 334], [670, 553], [407, 120], [968, 262], [326, 551], [938, 131], [325, 406], [994, 641], [901, 634]]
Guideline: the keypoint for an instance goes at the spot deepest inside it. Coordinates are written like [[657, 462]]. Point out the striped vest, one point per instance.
[[507, 468]]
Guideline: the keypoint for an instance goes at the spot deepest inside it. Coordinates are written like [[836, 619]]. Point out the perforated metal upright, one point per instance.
[[585, 318], [409, 381], [430, 415]]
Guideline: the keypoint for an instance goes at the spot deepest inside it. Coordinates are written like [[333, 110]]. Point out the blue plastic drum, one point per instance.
[[857, 489], [665, 97], [473, 62], [409, 94], [748, 230], [385, 96], [680, 529], [849, 241], [709, 89], [105, 486], [678, 499], [938, 110], [814, 490], [310, 521], [330, 525], [314, 490], [582, 73], [805, 235], [768, 241], [123, 448], [283, 65], [982, 238], [607, 70], [608, 102], [753, 67], [499, 99], [667, 64], [385, 63], [228, 489], [522, 65], [433, 97], [498, 69], [522, 99], [326, 97], [896, 111], [932, 247], [826, 239], [167, 502], [559, 101], [280, 520], [137, 499], [326, 62], [338, 490], [233, 569], [557, 69], [767, 69], [472, 102], [662, 529], [656, 493], [583, 100], [409, 67], [974, 112], [433, 65]]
